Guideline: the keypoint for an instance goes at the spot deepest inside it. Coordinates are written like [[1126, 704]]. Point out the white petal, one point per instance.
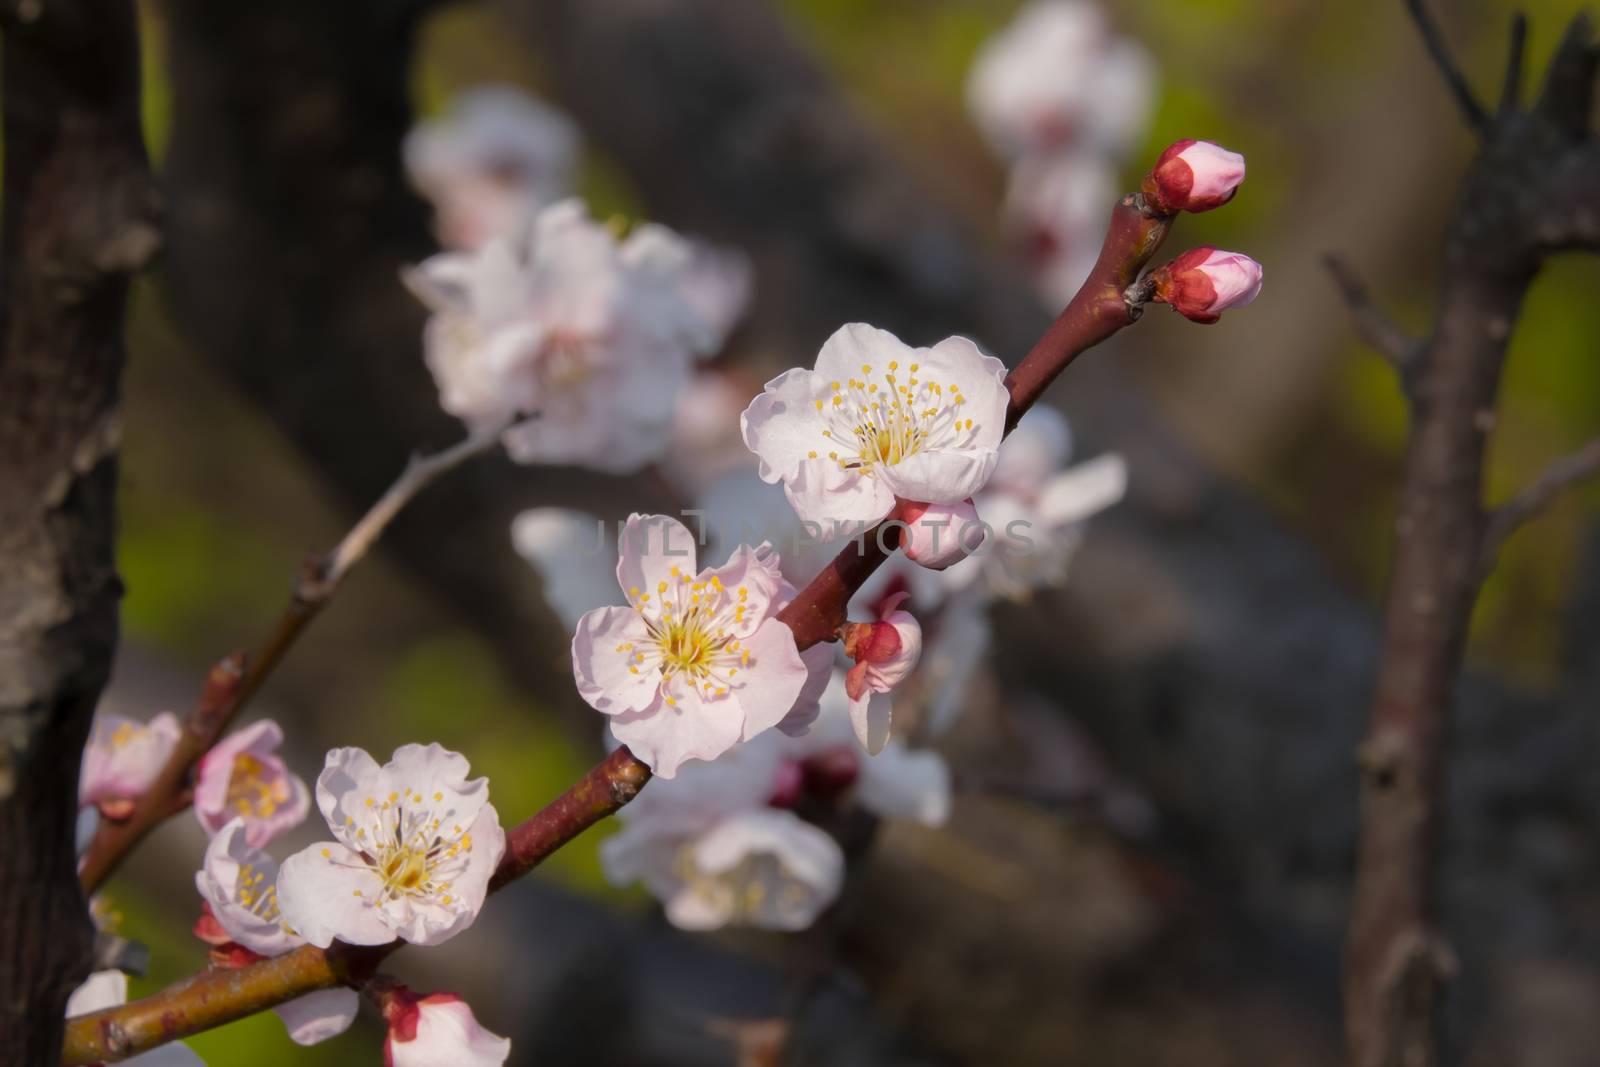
[[315, 1017], [666, 735], [899, 784], [824, 493], [602, 661], [349, 775], [769, 687], [871, 717], [327, 891], [651, 546], [1083, 490], [782, 426]]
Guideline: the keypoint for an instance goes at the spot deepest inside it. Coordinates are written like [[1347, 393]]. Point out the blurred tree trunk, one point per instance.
[[77, 220]]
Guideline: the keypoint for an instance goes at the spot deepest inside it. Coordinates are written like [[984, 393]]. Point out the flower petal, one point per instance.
[[602, 661], [315, 1017], [665, 735], [871, 717], [327, 891], [770, 686]]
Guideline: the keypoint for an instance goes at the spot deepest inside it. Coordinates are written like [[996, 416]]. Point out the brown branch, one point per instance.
[[1439, 50], [1375, 328], [79, 217], [212, 998], [1396, 959], [1511, 88], [1565, 473], [235, 679]]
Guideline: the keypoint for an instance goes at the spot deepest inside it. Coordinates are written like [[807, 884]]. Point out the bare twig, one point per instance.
[[1433, 38], [1376, 330], [235, 679], [1565, 473], [212, 998], [1511, 89]]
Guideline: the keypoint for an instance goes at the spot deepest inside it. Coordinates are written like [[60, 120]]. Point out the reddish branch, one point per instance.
[[234, 680], [1101, 308], [1519, 203]]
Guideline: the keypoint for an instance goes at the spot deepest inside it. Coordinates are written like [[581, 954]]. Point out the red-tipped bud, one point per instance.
[[1193, 176], [932, 536], [1204, 282]]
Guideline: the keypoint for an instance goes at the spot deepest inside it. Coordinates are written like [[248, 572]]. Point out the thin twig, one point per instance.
[[1565, 473], [213, 998], [1511, 90], [1433, 38], [1375, 328], [236, 679]]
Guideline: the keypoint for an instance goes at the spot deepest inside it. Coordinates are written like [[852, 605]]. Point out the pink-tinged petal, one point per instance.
[[781, 870], [446, 1035], [349, 775], [435, 767], [941, 476], [824, 493], [315, 1017], [233, 879], [216, 766], [429, 921], [650, 547], [665, 735], [327, 891], [756, 575], [933, 534], [603, 650], [819, 672], [871, 719], [771, 684], [899, 784], [123, 756]]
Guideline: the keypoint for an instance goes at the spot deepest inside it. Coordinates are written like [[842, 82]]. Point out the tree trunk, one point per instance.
[[77, 219]]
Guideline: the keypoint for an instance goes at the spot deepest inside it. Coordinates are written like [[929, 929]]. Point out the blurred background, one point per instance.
[[1211, 652]]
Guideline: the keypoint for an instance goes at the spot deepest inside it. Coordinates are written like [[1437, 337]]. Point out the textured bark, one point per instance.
[[77, 219]]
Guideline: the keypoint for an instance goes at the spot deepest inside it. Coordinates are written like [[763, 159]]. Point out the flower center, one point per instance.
[[410, 848], [757, 890], [880, 423], [251, 791], [691, 623], [261, 899]]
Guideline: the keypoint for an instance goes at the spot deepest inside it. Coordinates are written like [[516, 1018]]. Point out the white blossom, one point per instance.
[[415, 845], [123, 757]]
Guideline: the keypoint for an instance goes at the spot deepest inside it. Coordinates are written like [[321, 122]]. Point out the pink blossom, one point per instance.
[[1193, 176], [1204, 282], [243, 776], [933, 534], [438, 1030], [885, 652], [123, 756], [415, 845], [697, 661]]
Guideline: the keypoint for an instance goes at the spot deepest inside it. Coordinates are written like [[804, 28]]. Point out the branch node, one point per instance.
[[1372, 324]]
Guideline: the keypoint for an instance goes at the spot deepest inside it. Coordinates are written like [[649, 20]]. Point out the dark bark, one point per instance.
[[1396, 958], [77, 220]]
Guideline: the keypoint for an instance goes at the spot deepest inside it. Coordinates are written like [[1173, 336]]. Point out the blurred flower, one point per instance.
[[242, 776], [573, 553], [1035, 509], [708, 846], [1056, 211], [698, 661], [933, 534], [490, 163], [1056, 76], [438, 1030], [845, 447], [1193, 176], [593, 337], [416, 844], [122, 758], [705, 444], [1204, 282], [109, 989], [886, 652], [239, 883], [715, 282], [957, 644]]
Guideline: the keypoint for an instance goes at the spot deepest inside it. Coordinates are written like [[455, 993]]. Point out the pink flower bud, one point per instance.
[[1193, 176], [437, 1029], [1204, 282], [788, 785], [885, 652], [932, 536]]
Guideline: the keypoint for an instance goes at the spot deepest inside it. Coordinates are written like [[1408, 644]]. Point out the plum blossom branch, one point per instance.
[[236, 678], [1565, 473], [1439, 50], [1100, 309], [219, 996]]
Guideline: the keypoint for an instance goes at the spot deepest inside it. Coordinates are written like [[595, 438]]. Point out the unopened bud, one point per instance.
[[1193, 176], [1204, 282], [932, 536]]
